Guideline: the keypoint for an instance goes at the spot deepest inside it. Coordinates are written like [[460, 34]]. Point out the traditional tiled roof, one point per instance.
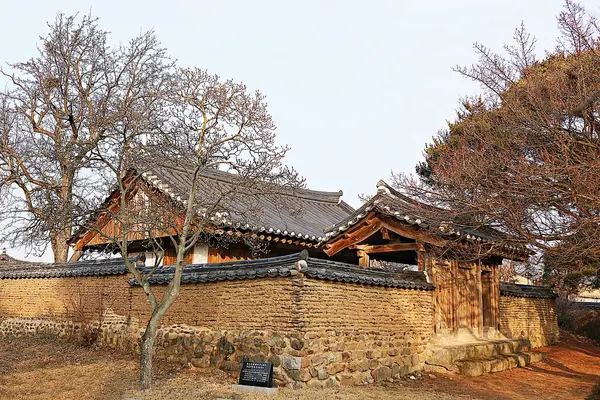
[[387, 201], [516, 290], [305, 215], [342, 272], [292, 213], [291, 265], [393, 204], [6, 260], [25, 270]]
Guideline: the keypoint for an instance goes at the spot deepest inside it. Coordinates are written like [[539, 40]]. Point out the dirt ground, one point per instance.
[[44, 368]]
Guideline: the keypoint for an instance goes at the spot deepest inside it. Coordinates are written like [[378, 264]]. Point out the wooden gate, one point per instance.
[[490, 296], [486, 297], [465, 295], [443, 278], [467, 304]]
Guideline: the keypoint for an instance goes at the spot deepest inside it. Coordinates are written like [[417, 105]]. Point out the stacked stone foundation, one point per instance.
[[315, 360]]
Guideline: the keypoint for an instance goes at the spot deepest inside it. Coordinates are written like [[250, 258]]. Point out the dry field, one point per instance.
[[44, 368]]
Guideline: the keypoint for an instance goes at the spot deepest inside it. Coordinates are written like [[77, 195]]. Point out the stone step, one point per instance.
[[499, 363], [449, 356]]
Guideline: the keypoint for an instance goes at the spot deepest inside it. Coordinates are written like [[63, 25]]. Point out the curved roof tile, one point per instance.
[[273, 267], [531, 291]]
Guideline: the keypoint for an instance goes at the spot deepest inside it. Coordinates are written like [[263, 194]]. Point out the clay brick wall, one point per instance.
[[359, 334], [259, 304], [57, 297], [356, 308], [249, 304], [530, 318], [317, 333]]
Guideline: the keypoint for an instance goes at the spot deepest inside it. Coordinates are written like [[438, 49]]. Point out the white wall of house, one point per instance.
[[200, 253], [152, 256]]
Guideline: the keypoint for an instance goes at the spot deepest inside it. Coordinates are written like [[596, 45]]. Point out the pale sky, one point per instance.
[[356, 88]]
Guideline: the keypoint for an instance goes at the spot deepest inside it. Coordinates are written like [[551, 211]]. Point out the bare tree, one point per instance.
[[523, 157], [59, 107], [209, 127]]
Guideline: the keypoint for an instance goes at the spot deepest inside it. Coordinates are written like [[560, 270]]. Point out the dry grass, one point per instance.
[[44, 368], [211, 386]]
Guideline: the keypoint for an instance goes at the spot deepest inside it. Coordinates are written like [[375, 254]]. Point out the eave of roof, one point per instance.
[[284, 266], [64, 270], [389, 202]]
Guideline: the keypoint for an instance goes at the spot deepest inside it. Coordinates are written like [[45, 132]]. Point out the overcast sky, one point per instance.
[[356, 88]]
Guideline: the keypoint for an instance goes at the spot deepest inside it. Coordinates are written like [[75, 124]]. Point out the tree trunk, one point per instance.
[[146, 350], [171, 293], [60, 248], [63, 230]]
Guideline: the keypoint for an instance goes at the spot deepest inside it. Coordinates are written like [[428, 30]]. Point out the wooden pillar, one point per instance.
[[454, 297], [363, 258], [429, 268], [420, 257], [496, 297], [479, 294]]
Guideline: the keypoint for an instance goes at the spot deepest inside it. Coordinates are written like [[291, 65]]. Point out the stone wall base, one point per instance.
[[314, 359]]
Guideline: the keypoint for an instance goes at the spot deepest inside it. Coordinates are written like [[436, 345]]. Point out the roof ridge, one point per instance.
[[6, 260], [355, 215], [385, 188], [228, 177]]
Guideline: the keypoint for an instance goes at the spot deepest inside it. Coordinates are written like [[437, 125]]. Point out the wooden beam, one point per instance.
[[454, 275], [385, 233], [479, 294], [496, 297], [355, 235], [412, 232], [373, 223], [385, 248], [421, 256], [363, 259]]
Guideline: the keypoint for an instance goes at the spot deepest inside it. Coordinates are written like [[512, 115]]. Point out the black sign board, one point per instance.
[[256, 374]]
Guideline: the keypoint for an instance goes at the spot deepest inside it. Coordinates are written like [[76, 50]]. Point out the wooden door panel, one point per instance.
[[444, 303], [170, 257], [234, 252], [467, 310]]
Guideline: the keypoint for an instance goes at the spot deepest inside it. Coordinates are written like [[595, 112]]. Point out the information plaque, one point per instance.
[[256, 374]]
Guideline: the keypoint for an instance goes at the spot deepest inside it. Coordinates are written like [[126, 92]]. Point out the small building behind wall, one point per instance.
[[285, 222]]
